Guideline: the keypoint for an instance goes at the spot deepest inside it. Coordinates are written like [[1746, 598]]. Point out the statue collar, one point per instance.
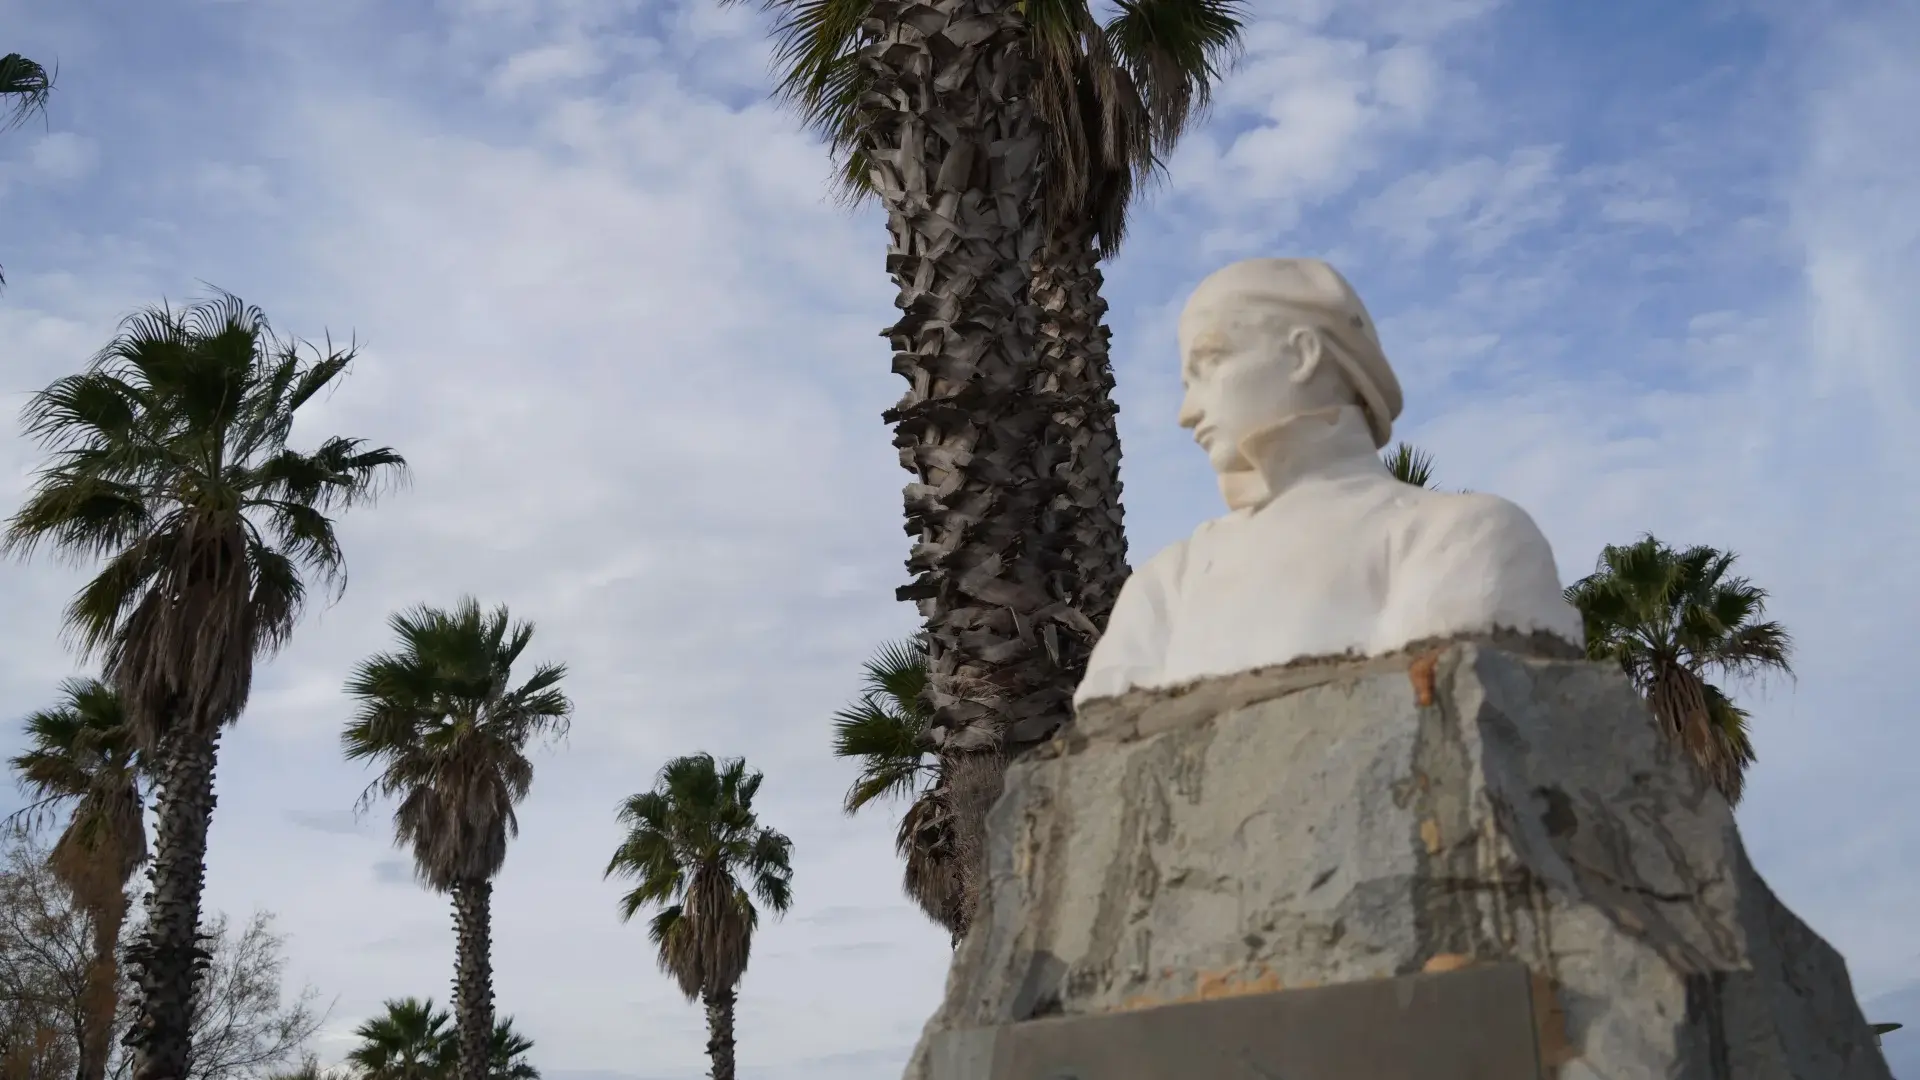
[[1321, 443]]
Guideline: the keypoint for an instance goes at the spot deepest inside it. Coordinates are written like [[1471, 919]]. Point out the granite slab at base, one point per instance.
[[1368, 819], [1472, 1024]]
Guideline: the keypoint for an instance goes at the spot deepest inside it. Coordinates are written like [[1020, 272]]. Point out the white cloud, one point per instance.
[[556, 62], [632, 354], [1479, 203], [63, 156]]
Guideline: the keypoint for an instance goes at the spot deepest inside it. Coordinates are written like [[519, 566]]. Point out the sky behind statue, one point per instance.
[[1639, 266]]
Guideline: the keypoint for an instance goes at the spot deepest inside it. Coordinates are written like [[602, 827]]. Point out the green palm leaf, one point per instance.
[[1670, 617], [1410, 465]]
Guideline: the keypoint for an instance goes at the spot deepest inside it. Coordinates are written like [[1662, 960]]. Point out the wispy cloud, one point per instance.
[[632, 353]]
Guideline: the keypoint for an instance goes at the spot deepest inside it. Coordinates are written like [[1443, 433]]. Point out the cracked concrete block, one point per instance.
[[1335, 822]]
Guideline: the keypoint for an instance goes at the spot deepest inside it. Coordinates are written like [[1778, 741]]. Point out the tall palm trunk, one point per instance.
[[955, 147], [1081, 535], [101, 998], [1073, 355], [473, 975], [168, 960], [720, 1032]]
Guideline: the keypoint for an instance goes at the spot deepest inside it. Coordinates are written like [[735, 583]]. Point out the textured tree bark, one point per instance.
[[101, 998], [955, 147], [1091, 552], [473, 975], [168, 959], [720, 1033], [1081, 527]]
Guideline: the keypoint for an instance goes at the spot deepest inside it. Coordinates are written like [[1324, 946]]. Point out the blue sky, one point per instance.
[[1640, 266]]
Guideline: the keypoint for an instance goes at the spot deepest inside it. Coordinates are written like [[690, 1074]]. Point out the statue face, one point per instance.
[[1243, 372]]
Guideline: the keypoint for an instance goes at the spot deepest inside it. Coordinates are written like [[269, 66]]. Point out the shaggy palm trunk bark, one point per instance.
[[1089, 549], [720, 1032], [1679, 699], [101, 998], [955, 148], [167, 960], [473, 976], [1082, 524]]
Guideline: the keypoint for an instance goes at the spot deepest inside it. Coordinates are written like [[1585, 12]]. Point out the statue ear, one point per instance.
[[1304, 342]]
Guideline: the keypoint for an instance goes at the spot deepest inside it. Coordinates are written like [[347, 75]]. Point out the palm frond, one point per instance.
[[1410, 465], [25, 87]]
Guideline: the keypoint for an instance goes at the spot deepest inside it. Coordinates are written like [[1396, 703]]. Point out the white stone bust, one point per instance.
[[1323, 552]]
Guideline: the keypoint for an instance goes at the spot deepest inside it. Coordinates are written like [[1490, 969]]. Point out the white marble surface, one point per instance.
[[1323, 552]]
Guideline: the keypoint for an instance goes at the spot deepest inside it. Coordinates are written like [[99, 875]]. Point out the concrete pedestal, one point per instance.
[[1331, 823]]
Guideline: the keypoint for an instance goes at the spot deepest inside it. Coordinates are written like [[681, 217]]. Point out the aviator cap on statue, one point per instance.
[[1316, 293]]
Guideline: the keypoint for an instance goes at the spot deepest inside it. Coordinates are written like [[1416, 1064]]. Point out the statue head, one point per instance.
[[1264, 340]]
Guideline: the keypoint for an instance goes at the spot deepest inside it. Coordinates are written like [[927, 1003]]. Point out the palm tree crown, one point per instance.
[[170, 459], [885, 730], [1112, 98], [410, 1041], [443, 718], [1669, 617], [81, 754], [700, 854]]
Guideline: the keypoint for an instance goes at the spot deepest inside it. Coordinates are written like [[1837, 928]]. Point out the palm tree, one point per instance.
[[450, 731], [170, 460], [80, 754], [409, 1041], [507, 1054], [1410, 465], [24, 89], [701, 856], [885, 730], [1011, 436], [1669, 617]]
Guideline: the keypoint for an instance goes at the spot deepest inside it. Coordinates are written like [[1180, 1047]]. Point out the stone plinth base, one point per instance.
[[1333, 823]]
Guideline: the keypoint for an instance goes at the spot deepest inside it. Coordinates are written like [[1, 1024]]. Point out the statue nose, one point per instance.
[[1190, 413]]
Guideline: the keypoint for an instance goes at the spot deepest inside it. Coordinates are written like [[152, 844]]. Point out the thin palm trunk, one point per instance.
[[102, 994], [473, 975], [720, 1032], [168, 959]]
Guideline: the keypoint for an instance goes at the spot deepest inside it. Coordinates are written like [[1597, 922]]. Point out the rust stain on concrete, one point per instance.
[[1447, 962], [1421, 674]]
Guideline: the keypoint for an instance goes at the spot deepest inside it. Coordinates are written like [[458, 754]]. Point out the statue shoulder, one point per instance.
[[1160, 573], [1473, 522]]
